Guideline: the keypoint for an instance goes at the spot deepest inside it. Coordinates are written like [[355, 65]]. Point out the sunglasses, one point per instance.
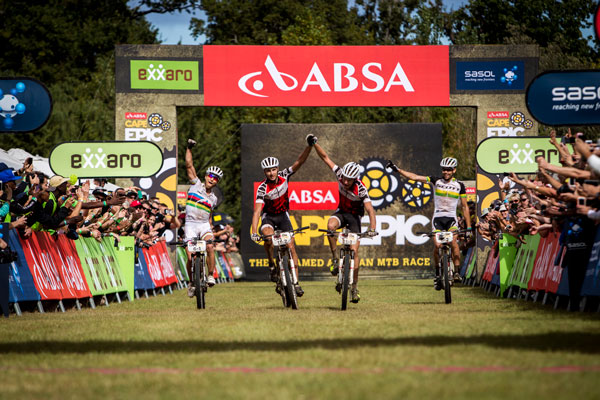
[[215, 177], [525, 199], [447, 169], [515, 201]]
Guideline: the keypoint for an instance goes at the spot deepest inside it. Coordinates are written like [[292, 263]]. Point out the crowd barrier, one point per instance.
[[535, 268], [55, 270]]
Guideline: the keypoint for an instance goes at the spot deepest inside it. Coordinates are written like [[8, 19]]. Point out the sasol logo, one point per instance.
[[480, 74], [159, 73], [574, 93], [345, 79], [99, 159]]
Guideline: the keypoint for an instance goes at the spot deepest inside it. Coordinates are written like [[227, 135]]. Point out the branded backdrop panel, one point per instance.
[[402, 208]]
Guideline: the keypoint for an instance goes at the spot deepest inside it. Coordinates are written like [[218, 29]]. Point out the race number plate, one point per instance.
[[281, 239], [196, 246]]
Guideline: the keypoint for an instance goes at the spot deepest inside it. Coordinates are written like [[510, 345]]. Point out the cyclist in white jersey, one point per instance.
[[448, 192], [199, 205]]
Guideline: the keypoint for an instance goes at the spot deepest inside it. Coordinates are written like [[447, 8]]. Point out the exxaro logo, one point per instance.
[[345, 79], [164, 74], [524, 154], [103, 160]]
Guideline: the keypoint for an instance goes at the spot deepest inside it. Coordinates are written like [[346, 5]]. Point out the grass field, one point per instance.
[[400, 341]]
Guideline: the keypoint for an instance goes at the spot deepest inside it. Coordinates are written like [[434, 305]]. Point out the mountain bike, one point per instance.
[[345, 277], [444, 238], [197, 248], [288, 275]]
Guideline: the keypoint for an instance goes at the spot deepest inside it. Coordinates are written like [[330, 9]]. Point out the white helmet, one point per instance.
[[215, 171], [448, 162], [269, 162], [351, 170]]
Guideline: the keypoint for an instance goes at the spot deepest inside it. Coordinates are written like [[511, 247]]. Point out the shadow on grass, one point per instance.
[[579, 342]]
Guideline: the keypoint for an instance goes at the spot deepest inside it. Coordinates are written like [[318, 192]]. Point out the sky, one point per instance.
[[174, 28]]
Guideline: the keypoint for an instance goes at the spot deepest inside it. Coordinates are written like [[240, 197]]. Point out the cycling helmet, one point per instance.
[[351, 170], [448, 162], [215, 171], [269, 162]]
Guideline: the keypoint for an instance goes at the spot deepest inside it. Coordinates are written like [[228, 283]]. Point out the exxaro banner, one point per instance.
[[106, 159], [159, 75], [402, 207], [326, 76], [514, 154]]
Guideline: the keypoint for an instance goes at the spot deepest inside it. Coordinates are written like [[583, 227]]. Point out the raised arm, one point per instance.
[[324, 156], [189, 161], [301, 159], [406, 174]]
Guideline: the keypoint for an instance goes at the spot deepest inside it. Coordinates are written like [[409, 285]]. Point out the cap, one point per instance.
[[56, 181], [502, 208], [99, 193], [484, 212], [8, 175]]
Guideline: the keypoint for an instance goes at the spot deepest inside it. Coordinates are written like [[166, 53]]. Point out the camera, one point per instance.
[[581, 201]]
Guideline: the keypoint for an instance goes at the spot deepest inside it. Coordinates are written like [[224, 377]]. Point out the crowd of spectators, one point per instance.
[[561, 198], [31, 201]]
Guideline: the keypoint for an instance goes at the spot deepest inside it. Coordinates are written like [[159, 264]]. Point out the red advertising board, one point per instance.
[[491, 265], [48, 281], [159, 265], [71, 269], [326, 76], [544, 262], [311, 195]]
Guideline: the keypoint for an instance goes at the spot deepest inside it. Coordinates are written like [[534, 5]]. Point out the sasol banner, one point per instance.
[[326, 76], [402, 207], [496, 155], [565, 98], [25, 104], [106, 159], [490, 75]]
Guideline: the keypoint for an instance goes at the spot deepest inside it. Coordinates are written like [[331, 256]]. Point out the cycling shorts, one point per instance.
[[277, 222], [444, 223], [193, 230], [351, 221]]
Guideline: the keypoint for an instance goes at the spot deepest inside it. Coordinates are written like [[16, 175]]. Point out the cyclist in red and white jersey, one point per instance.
[[448, 193], [273, 201], [199, 206], [354, 201]]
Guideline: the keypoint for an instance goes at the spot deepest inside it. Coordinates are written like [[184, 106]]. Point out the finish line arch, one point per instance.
[[152, 80]]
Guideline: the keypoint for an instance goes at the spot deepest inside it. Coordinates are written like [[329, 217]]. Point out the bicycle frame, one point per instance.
[[280, 242]]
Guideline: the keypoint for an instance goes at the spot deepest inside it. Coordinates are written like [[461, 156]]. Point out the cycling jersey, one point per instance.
[[351, 200], [199, 204], [274, 195], [446, 196]]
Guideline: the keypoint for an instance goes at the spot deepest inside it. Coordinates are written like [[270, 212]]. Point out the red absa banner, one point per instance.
[[159, 265], [311, 195], [326, 76]]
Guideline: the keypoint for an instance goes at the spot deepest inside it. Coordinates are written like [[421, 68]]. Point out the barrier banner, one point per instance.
[[70, 266], [166, 266], [159, 265], [563, 286], [507, 254], [4, 272], [465, 263], [124, 257], [45, 275], [238, 265], [555, 272], [471, 271], [20, 280], [181, 264], [591, 282], [142, 280], [151, 264], [91, 261], [525, 259], [544, 260], [491, 265]]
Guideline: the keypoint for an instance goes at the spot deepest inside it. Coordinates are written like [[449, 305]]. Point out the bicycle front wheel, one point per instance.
[[199, 281], [289, 285], [446, 272], [345, 281]]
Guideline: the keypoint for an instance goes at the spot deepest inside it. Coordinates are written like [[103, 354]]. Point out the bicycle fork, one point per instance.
[[291, 265]]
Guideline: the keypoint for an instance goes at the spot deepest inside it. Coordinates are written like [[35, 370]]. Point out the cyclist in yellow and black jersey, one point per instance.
[[448, 193]]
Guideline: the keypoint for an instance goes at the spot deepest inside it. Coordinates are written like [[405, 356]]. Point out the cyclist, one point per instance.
[[354, 201], [272, 199], [447, 194], [200, 202]]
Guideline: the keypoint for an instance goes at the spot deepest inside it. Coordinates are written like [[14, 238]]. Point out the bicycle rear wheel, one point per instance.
[[199, 282], [289, 285], [446, 273], [345, 281]]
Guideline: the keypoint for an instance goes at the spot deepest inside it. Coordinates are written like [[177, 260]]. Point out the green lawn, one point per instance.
[[400, 341]]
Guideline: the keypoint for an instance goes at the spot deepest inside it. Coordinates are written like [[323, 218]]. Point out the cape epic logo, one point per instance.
[[106, 159]]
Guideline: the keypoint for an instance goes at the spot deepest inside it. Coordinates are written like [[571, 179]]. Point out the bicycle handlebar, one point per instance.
[[292, 231], [209, 241], [431, 234], [334, 233]]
